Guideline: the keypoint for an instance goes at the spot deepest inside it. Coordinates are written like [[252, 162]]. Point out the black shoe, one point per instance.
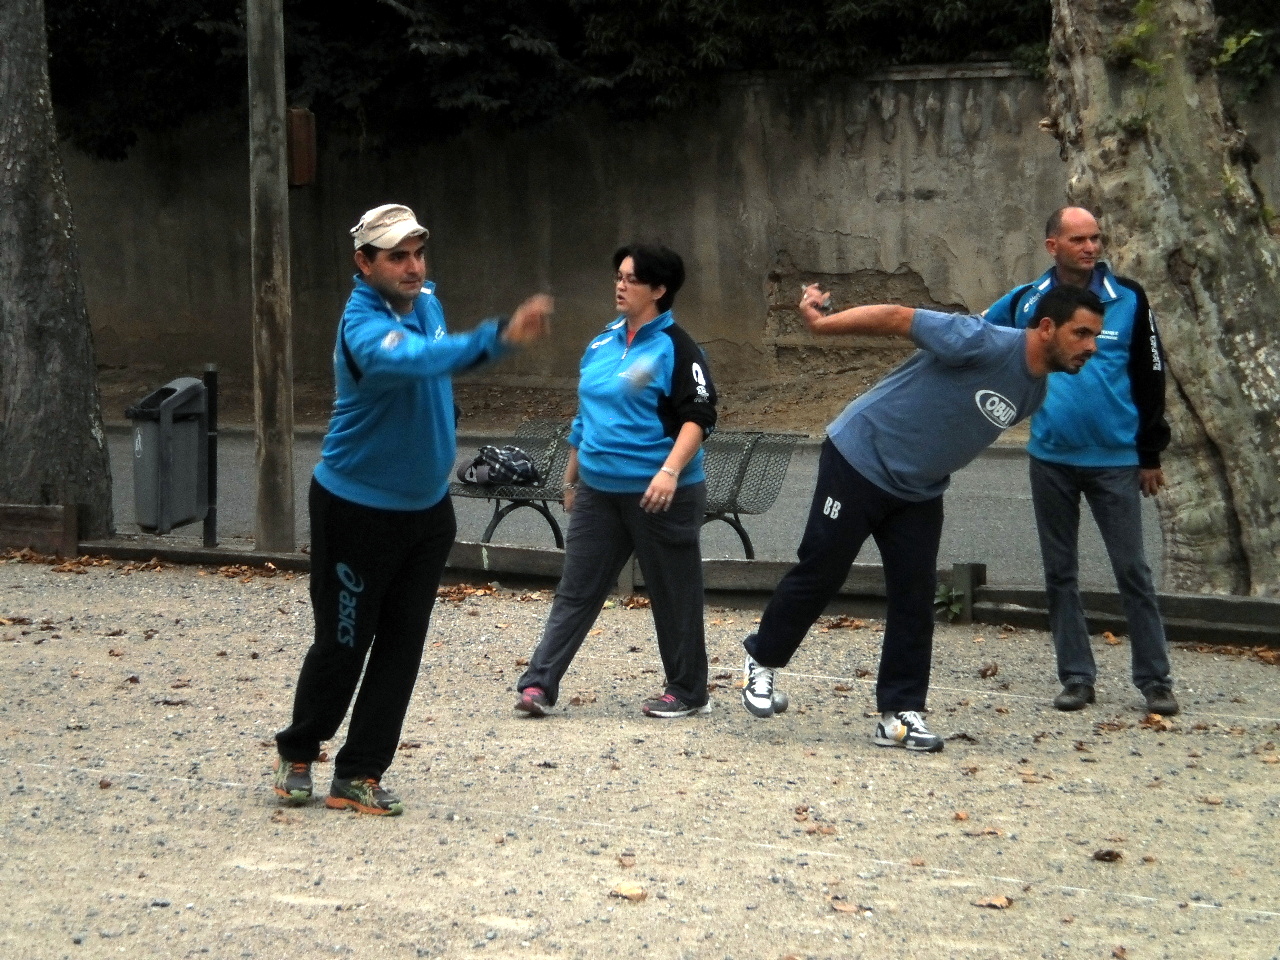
[[669, 706], [292, 781], [1074, 696], [905, 728], [1160, 700]]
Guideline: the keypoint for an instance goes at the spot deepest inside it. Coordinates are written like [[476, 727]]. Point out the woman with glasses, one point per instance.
[[635, 482]]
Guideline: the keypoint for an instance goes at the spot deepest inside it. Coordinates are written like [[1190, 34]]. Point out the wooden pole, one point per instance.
[[269, 252]]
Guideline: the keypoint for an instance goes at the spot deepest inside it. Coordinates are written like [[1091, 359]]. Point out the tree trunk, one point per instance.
[[1135, 104], [52, 447]]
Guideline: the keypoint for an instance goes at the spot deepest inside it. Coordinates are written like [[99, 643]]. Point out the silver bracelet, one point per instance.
[[670, 471]]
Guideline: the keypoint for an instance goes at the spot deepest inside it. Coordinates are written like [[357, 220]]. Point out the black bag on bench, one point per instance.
[[500, 466]]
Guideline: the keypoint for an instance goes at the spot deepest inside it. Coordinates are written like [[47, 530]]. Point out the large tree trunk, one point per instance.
[[1135, 105], [52, 448]]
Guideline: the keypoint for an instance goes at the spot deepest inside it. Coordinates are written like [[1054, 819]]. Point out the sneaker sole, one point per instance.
[[889, 742], [532, 709], [344, 803], [675, 714], [295, 797]]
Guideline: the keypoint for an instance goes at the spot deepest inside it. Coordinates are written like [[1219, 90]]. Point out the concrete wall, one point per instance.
[[931, 185]]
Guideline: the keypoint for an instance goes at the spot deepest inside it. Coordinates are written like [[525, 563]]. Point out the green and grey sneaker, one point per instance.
[[363, 795], [292, 781]]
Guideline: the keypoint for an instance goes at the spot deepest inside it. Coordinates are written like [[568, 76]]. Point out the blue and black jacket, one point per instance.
[[391, 441], [632, 401], [1111, 413]]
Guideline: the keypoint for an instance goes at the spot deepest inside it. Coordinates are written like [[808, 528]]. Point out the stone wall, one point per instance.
[[926, 185]]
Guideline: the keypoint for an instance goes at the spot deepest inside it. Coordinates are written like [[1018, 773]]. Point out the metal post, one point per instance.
[[211, 441], [269, 253]]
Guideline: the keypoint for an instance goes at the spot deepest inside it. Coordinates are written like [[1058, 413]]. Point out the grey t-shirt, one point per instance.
[[943, 406]]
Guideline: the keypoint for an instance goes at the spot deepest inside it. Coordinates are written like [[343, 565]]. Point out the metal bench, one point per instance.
[[543, 441], [745, 470]]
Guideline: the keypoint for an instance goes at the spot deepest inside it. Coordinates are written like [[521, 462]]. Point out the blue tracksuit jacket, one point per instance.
[[391, 441], [633, 400], [1111, 413]]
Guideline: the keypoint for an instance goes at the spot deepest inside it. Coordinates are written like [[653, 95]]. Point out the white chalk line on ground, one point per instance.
[[503, 816], [965, 690]]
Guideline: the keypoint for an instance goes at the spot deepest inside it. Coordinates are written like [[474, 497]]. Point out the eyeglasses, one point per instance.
[[630, 279]]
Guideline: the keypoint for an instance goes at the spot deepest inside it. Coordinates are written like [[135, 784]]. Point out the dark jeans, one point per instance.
[[374, 575], [1115, 499], [846, 509], [604, 529]]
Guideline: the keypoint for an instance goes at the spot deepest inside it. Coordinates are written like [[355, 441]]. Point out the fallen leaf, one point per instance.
[[960, 815], [629, 890], [104, 783], [1110, 639], [988, 670], [917, 861], [626, 860], [1154, 721], [840, 905], [1108, 856], [842, 688], [522, 661], [994, 903], [280, 816], [985, 832], [1119, 953], [113, 652], [180, 683], [1212, 801]]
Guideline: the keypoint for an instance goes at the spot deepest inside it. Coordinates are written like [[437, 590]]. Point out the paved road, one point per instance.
[[988, 512]]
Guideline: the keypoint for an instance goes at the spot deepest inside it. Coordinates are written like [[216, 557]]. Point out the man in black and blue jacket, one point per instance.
[[1099, 434], [382, 523]]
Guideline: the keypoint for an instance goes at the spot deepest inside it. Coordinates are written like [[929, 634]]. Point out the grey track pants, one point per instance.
[[1113, 495], [604, 530]]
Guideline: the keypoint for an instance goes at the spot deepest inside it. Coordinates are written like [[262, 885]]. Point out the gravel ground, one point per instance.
[[137, 819]]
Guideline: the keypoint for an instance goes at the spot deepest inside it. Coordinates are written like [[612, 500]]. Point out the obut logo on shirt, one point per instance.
[[996, 408]]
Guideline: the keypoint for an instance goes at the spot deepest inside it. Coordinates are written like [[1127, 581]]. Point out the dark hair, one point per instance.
[[370, 251], [1061, 303], [655, 266]]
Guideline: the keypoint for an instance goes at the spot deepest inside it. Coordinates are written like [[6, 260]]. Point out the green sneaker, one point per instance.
[[292, 781], [363, 795]]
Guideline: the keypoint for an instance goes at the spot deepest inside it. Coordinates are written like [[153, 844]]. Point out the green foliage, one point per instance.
[[948, 602], [404, 71], [1251, 45]]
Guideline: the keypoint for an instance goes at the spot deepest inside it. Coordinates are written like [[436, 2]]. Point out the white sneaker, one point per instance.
[[906, 728], [757, 691]]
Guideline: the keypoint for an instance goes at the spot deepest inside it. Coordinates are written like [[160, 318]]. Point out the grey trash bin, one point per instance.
[[170, 456]]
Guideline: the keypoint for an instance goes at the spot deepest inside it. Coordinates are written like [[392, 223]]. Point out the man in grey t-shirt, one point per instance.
[[884, 467]]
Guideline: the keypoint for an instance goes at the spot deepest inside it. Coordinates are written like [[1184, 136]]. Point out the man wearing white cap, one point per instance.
[[382, 522]]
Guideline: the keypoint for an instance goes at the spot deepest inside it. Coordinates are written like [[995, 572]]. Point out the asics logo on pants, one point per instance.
[[347, 602]]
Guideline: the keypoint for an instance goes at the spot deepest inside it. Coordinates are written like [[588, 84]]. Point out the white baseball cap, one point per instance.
[[387, 225]]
